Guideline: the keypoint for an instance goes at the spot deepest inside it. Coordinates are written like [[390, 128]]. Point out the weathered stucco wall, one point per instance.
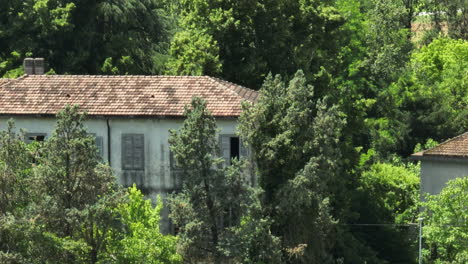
[[157, 178], [436, 173]]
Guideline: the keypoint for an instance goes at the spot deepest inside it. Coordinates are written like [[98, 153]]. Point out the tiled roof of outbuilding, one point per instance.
[[456, 147], [130, 95]]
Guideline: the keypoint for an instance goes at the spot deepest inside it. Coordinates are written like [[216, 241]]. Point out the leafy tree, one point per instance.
[[446, 223], [388, 39], [216, 209], [193, 53], [252, 38], [83, 36], [433, 94], [142, 241], [67, 207], [388, 194]]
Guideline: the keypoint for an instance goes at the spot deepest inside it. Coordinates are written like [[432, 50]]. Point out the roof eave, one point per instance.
[[53, 115], [422, 157]]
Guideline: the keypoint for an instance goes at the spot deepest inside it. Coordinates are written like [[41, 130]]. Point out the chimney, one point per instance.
[[28, 65], [39, 66], [34, 66]]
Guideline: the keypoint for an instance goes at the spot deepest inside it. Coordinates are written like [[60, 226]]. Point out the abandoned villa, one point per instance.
[[130, 116]]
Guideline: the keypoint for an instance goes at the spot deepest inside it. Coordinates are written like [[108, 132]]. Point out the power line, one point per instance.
[[408, 224]]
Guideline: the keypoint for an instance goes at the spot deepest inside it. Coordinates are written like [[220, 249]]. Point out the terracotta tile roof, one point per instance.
[[4, 81], [135, 95], [456, 147]]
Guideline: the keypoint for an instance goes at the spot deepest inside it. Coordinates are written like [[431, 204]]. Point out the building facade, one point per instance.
[[130, 116]]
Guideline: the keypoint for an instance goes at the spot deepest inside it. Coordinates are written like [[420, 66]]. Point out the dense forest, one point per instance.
[[349, 89]]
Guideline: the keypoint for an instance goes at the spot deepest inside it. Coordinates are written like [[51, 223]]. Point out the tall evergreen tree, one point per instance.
[[296, 143], [78, 192], [217, 211]]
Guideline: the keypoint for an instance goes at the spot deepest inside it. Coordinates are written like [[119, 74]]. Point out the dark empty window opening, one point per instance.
[[31, 137], [234, 146], [40, 138]]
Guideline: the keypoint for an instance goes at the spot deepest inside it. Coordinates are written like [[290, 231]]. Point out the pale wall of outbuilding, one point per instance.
[[435, 173]]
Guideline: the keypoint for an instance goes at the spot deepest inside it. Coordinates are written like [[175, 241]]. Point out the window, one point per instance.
[[31, 137], [234, 148], [133, 159], [231, 148], [133, 155]]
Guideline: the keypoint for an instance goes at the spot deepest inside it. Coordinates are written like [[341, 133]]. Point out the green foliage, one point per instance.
[[124, 65], [58, 205], [446, 223], [295, 140], [193, 53], [70, 158], [216, 210], [78, 192], [142, 241], [393, 189], [15, 171], [429, 144], [387, 197], [388, 39], [78, 36], [357, 54], [251, 38], [434, 92]]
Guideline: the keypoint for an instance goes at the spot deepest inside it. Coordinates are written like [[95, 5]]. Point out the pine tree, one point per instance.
[[295, 140], [78, 192], [218, 213]]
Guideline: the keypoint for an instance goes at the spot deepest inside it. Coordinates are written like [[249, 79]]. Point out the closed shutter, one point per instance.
[[225, 141], [138, 152], [133, 159], [127, 152]]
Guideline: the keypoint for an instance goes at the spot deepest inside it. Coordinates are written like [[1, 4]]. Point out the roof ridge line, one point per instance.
[[110, 76], [226, 85]]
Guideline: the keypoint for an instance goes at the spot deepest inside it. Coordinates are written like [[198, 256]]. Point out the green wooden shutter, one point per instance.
[[127, 152], [138, 152], [133, 152]]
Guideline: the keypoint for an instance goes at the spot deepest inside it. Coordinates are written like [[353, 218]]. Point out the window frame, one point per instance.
[[124, 164], [242, 149]]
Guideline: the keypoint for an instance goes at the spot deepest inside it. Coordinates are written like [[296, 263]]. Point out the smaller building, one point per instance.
[[442, 163]]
